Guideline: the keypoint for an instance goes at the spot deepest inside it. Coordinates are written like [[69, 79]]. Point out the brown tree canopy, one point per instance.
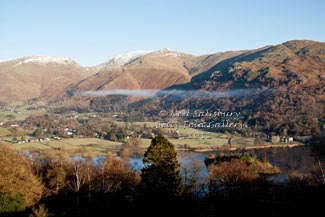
[[17, 178]]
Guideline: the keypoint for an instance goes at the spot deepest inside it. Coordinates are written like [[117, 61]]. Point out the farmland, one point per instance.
[[86, 146]]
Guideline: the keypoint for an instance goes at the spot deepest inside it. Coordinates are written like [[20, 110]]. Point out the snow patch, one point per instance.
[[174, 54], [168, 52], [47, 59], [1, 61], [125, 58]]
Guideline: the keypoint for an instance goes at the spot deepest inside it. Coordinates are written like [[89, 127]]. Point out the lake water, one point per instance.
[[291, 161]]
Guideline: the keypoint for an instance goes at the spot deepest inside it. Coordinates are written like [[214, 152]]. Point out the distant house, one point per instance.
[[275, 139], [286, 139]]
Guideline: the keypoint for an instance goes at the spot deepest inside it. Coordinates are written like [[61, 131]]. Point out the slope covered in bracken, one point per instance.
[[276, 88], [153, 70], [34, 77]]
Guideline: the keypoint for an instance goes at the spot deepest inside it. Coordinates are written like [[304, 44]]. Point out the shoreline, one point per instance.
[[290, 145]]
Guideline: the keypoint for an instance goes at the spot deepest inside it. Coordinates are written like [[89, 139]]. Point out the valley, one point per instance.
[[95, 133], [221, 126], [271, 94]]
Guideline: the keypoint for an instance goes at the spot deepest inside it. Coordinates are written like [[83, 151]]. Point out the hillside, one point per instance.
[[141, 70], [203, 63], [44, 79], [33, 77], [276, 88]]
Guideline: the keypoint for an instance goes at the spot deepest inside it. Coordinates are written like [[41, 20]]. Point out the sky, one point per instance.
[[93, 31]]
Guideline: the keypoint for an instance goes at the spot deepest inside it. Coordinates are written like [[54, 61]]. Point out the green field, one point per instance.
[[199, 143], [4, 132], [139, 124], [195, 144], [87, 146], [147, 124], [189, 138], [193, 138], [19, 115]]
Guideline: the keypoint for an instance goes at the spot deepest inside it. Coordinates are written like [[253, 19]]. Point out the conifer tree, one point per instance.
[[161, 173]]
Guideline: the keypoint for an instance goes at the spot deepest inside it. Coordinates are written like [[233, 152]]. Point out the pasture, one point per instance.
[[84, 146]]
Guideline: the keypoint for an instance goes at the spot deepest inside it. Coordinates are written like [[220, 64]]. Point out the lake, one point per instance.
[[291, 161], [295, 161]]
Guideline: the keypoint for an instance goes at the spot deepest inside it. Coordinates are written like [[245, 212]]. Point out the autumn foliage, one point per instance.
[[19, 188]]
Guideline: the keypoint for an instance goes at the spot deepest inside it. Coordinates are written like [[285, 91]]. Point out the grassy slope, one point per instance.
[[20, 114], [4, 132], [87, 146]]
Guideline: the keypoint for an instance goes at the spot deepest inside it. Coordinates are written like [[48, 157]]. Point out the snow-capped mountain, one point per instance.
[[53, 78], [145, 69], [37, 76], [125, 58]]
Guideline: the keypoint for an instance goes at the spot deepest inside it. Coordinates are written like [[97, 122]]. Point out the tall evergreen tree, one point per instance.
[[161, 173]]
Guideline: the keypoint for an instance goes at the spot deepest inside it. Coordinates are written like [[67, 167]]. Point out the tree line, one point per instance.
[[71, 185]]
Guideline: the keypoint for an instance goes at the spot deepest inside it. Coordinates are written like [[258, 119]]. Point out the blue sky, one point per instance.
[[94, 31]]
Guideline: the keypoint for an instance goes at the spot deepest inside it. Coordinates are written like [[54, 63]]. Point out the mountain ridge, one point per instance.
[[265, 67], [289, 80], [153, 70]]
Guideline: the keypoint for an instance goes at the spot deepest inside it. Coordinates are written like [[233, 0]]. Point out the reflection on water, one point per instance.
[[136, 163], [98, 160], [291, 161], [184, 157], [295, 161]]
